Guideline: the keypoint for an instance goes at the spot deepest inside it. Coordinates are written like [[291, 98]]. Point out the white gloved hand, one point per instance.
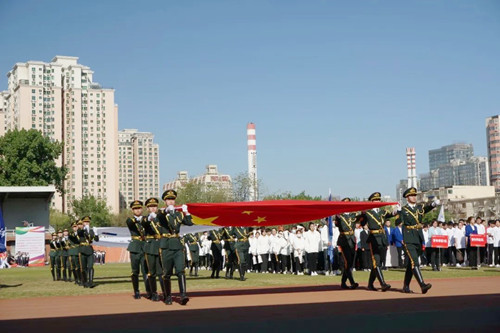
[[171, 208], [152, 216], [396, 208], [436, 202], [185, 209]]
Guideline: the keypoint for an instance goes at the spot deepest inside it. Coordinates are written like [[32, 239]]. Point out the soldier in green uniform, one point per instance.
[[74, 245], [377, 240], [66, 272], [136, 248], [411, 216], [87, 236], [241, 248], [231, 260], [52, 255], [347, 242], [194, 251], [172, 246], [152, 247], [216, 248], [59, 255]]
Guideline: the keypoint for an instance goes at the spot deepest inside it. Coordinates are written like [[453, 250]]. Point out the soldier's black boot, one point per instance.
[[162, 286], [91, 278], [228, 268], [58, 274], [147, 286], [418, 275], [135, 285], [84, 279], [371, 280], [380, 277], [167, 296], [182, 289], [191, 270], [70, 272], [242, 272], [53, 274], [231, 272], [354, 285], [154, 294], [196, 270], [76, 273], [343, 284], [65, 276], [407, 280]]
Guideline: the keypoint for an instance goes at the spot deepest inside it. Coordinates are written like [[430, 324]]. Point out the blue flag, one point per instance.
[[3, 238]]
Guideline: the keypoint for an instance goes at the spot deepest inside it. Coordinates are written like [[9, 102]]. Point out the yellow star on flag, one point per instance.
[[248, 212], [202, 221], [260, 219]]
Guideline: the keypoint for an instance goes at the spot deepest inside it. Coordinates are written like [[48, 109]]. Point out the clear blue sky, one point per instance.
[[337, 89]]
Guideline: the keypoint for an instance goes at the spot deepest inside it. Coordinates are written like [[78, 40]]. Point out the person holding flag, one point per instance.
[[347, 243], [411, 215]]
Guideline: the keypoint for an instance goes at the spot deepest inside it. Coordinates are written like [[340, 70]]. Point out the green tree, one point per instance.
[[27, 158], [118, 220], [242, 185], [59, 220], [433, 215], [289, 196], [95, 208], [195, 193]]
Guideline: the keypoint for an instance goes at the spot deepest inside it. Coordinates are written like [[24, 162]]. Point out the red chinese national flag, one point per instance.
[[272, 212]]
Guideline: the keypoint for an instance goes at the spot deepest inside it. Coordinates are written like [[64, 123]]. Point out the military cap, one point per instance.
[[375, 196], [136, 204], [79, 222], [74, 224], [59, 231], [169, 194], [65, 229], [54, 234], [151, 202], [409, 192], [346, 200], [86, 219]]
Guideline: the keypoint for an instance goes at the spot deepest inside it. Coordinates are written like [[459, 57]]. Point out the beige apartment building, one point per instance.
[[493, 142], [211, 178], [138, 166], [60, 99]]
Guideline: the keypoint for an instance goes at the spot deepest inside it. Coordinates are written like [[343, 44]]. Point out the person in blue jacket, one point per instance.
[[397, 241]]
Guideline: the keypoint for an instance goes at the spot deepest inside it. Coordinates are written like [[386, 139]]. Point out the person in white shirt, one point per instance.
[[312, 240], [450, 232], [284, 252], [274, 249], [252, 242], [325, 243], [298, 244], [359, 254], [263, 248], [459, 236], [490, 242], [336, 256], [435, 257], [496, 243], [481, 230]]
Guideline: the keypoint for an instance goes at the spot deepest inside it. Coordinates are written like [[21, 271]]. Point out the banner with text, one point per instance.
[[439, 241], [32, 241], [478, 240]]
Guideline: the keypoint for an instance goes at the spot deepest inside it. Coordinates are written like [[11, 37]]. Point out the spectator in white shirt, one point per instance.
[[459, 236], [490, 241], [284, 252], [312, 239], [298, 251], [263, 249], [496, 243], [325, 243], [450, 255], [481, 230]]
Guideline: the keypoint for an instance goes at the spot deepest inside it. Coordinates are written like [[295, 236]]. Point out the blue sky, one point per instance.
[[337, 90]]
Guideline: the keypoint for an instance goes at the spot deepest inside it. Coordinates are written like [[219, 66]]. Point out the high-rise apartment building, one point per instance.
[[211, 178], [446, 154], [138, 166], [3, 109], [493, 143], [61, 100]]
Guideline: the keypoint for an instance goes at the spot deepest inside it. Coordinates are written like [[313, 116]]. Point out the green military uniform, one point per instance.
[[136, 249], [87, 254], [58, 257], [194, 250], [152, 249], [411, 216], [216, 248], [377, 240], [74, 245], [347, 242], [172, 247], [241, 248], [66, 271], [231, 259], [52, 255]]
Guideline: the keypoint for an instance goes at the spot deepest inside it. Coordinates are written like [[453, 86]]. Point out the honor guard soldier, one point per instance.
[[194, 251], [347, 242], [59, 255], [87, 236], [216, 248], [377, 240], [411, 215], [74, 244], [52, 255], [66, 271], [241, 249], [136, 248], [171, 245], [229, 241], [152, 247]]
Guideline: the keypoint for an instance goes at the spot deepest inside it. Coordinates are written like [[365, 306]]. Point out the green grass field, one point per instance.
[[115, 278]]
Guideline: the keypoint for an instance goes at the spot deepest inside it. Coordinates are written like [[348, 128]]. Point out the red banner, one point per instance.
[[439, 241], [273, 212], [477, 240]]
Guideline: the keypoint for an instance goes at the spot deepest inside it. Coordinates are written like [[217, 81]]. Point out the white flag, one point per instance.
[[441, 214]]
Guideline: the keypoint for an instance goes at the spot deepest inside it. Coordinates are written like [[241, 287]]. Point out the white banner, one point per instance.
[[31, 240]]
